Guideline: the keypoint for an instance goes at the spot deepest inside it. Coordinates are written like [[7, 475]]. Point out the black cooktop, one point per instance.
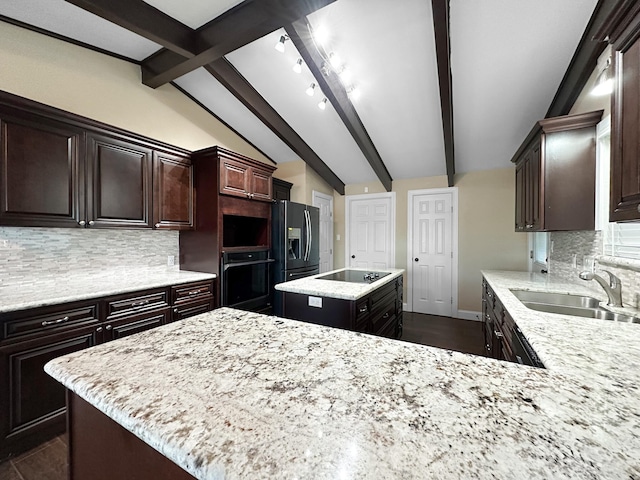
[[355, 276]]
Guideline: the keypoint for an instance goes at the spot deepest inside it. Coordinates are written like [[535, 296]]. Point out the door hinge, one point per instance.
[[451, 300], [451, 208], [452, 254], [331, 251]]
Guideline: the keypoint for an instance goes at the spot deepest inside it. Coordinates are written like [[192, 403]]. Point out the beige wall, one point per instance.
[[103, 88], [486, 235], [305, 180]]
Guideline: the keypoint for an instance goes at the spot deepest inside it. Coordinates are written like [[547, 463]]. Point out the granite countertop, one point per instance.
[[336, 289], [238, 395], [74, 286]]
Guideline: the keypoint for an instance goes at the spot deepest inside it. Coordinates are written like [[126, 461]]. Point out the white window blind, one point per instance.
[[622, 240]]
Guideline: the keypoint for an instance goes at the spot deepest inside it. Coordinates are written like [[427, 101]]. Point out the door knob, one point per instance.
[[353, 256], [415, 259]]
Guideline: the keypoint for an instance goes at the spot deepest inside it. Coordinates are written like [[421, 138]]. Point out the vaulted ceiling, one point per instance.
[[441, 87]]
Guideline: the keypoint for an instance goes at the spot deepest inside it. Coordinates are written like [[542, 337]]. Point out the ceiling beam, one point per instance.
[[145, 20], [233, 81], [584, 60], [239, 26], [336, 93], [443, 56]]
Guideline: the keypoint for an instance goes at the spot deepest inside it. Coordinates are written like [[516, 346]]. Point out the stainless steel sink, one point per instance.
[[556, 299], [565, 304]]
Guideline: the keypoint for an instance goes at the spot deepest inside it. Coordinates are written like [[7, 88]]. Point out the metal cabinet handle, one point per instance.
[[108, 327], [140, 304], [487, 317], [529, 226], [386, 315], [498, 335], [363, 309], [99, 329], [82, 223], [157, 225], [46, 323], [91, 222], [175, 310], [195, 292]]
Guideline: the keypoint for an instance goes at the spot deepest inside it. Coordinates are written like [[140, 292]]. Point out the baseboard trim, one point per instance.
[[469, 315]]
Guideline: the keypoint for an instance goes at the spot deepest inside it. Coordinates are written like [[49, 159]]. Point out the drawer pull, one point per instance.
[[140, 304], [195, 292], [46, 323], [108, 327], [386, 315], [499, 335], [363, 309]]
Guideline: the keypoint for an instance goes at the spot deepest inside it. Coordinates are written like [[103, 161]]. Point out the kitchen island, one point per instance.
[[234, 394], [354, 299]]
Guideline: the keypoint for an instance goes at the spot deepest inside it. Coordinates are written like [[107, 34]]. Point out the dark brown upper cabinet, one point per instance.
[[119, 183], [555, 175], [173, 192], [623, 30], [281, 189], [244, 177], [58, 169], [41, 171]]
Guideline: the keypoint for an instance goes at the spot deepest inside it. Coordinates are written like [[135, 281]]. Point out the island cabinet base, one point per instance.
[[100, 449], [378, 313]]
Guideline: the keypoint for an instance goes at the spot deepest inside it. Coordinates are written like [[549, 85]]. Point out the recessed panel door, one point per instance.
[[371, 233], [432, 254]]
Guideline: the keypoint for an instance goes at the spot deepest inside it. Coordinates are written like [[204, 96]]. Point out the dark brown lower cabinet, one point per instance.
[[378, 313], [32, 404], [100, 449]]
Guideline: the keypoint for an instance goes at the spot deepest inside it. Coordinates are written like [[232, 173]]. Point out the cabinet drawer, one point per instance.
[[135, 324], [191, 291], [381, 319], [48, 320], [186, 310], [132, 304], [381, 293]]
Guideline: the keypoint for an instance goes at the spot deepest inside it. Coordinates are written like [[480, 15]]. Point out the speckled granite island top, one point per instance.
[[238, 395], [336, 289], [54, 289]]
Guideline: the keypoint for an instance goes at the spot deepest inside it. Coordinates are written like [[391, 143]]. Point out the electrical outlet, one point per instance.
[[171, 260]]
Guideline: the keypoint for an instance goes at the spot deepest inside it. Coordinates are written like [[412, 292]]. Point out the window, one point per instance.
[[539, 251], [619, 239]]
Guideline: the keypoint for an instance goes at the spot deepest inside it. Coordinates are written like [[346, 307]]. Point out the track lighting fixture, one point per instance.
[[335, 60], [353, 92], [604, 81], [280, 45], [311, 90], [323, 104], [297, 67]]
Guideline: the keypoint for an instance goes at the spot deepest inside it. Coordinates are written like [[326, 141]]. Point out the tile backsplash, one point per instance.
[[25, 252], [585, 244]]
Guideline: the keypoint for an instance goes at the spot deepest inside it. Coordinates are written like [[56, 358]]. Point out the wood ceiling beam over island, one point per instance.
[[443, 55], [145, 20], [233, 81], [239, 26], [332, 88]]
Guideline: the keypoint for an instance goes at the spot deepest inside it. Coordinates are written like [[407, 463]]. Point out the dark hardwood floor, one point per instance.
[[49, 460], [443, 332]]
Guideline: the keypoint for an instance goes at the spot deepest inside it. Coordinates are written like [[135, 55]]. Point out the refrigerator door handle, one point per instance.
[[310, 235], [307, 222]]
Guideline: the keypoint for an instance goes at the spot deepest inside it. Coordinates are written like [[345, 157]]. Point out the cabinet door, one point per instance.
[[521, 193], [534, 183], [235, 178], [119, 191], [261, 187], [41, 172], [625, 130], [32, 404], [173, 192]]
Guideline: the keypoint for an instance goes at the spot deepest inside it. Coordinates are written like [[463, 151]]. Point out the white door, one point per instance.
[[325, 204], [432, 254], [371, 230]]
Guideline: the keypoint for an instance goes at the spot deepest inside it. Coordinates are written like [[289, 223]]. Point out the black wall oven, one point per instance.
[[246, 281]]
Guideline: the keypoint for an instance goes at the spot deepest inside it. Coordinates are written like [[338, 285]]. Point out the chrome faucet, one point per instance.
[[613, 287]]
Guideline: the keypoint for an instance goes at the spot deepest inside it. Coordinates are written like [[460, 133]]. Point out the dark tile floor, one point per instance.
[[45, 462], [49, 460]]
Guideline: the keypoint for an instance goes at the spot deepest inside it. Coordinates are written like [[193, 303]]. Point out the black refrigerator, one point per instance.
[[294, 240]]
